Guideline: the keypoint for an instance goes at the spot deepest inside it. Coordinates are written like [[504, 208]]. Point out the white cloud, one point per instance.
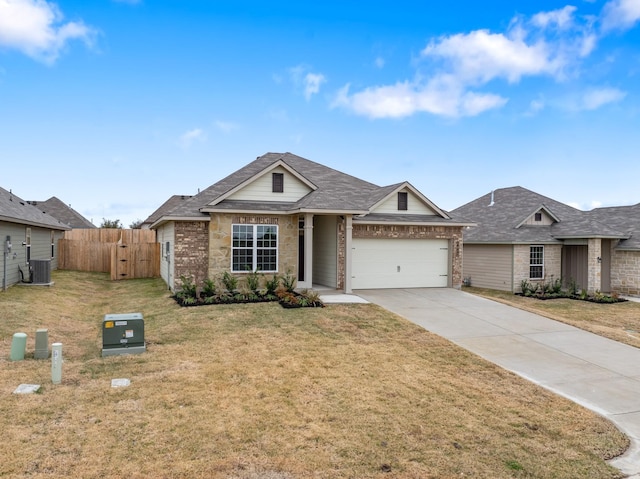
[[440, 96], [379, 62], [226, 126], [481, 56], [562, 18], [312, 82], [595, 98], [308, 81], [35, 28], [620, 14], [461, 65], [190, 137]]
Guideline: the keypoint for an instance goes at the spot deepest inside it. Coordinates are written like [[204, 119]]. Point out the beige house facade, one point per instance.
[[284, 214]]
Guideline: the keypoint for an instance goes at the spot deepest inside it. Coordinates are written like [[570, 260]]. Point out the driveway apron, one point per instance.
[[598, 373]]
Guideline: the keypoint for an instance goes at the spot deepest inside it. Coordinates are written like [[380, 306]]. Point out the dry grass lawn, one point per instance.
[[617, 321], [260, 392]]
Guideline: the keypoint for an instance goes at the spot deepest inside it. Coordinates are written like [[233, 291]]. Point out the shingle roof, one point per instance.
[[625, 219], [334, 190], [165, 208], [498, 221], [56, 208], [15, 210]]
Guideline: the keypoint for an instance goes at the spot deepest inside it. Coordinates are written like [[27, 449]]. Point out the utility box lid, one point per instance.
[[123, 334]]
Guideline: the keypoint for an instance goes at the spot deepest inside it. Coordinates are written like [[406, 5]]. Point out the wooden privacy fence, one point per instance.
[[125, 254]]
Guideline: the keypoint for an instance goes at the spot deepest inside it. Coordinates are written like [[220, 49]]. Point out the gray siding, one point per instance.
[[488, 266], [325, 251], [40, 249]]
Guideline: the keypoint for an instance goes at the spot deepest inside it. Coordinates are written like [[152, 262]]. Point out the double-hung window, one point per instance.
[[536, 262], [254, 248]]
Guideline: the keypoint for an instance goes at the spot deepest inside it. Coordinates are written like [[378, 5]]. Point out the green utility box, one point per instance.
[[123, 334]]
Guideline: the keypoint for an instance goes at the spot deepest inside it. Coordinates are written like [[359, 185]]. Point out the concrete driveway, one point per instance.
[[598, 373]]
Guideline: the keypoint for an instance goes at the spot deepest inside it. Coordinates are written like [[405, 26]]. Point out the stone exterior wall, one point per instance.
[[191, 251], [594, 266], [220, 241], [452, 233], [521, 262], [625, 272]]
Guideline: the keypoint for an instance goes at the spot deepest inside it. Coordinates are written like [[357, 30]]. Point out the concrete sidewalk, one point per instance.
[[598, 373]]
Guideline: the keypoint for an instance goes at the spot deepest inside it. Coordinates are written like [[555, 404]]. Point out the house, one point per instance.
[[59, 210], [27, 235], [522, 235], [285, 214]]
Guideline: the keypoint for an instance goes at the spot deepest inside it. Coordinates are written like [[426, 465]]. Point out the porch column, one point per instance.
[[308, 251], [594, 265], [348, 252]]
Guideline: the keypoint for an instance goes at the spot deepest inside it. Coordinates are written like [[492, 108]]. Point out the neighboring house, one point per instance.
[[27, 234], [285, 214], [56, 208], [521, 235]]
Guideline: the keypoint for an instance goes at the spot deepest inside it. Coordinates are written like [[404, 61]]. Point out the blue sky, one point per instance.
[[113, 106]]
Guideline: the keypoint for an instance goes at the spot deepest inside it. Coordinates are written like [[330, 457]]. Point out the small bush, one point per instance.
[[230, 282], [253, 281]]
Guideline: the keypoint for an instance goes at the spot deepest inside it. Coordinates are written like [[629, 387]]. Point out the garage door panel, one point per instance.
[[399, 263]]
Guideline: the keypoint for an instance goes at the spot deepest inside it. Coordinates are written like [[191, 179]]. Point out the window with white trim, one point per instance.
[[536, 262], [254, 248]]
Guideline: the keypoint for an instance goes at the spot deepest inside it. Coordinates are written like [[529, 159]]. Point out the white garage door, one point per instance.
[[400, 263]]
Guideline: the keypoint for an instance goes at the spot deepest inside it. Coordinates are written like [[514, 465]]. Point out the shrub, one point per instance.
[[253, 281], [188, 288], [272, 285], [288, 281], [230, 282], [209, 289]]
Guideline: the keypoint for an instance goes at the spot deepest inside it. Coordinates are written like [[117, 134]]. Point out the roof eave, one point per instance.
[[20, 221]]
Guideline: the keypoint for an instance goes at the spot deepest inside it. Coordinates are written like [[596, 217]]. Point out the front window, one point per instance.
[[536, 262], [255, 248], [53, 245]]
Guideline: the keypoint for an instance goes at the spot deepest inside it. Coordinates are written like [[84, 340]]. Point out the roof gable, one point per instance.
[[542, 216], [259, 186], [417, 203]]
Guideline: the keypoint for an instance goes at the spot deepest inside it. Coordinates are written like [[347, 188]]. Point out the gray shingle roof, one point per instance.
[[56, 208], [15, 210], [335, 191], [165, 208], [498, 222], [625, 219]]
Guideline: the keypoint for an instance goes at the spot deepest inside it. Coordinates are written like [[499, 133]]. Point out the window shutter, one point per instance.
[[278, 182], [402, 201]]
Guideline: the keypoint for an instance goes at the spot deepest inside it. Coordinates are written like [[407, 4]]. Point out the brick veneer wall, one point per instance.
[[625, 272], [220, 241], [521, 258], [191, 251], [452, 233]]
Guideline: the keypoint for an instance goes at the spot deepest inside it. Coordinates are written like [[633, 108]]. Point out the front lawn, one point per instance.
[[255, 391]]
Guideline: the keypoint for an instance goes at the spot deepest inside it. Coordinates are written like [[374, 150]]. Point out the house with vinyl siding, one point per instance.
[[522, 235], [27, 234], [282, 213]]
